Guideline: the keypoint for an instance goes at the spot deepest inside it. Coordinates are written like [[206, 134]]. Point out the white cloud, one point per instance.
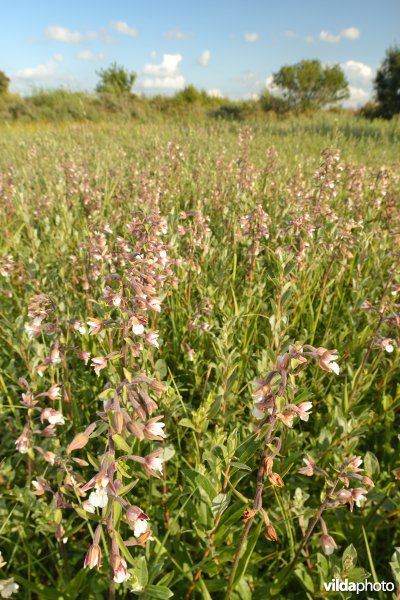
[[290, 34], [124, 28], [153, 54], [176, 34], [165, 75], [358, 71], [309, 39], [204, 58], [251, 37], [92, 56], [268, 82], [358, 97], [40, 72], [63, 34], [360, 77], [214, 93], [325, 36], [351, 33]]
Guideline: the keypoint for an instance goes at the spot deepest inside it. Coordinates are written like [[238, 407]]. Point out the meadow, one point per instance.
[[199, 375]]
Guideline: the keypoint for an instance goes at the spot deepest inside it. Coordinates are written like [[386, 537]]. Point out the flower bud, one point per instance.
[[270, 533], [276, 480], [93, 557], [328, 544], [118, 421], [268, 465], [78, 442]]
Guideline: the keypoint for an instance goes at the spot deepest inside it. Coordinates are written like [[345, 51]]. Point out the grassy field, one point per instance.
[[152, 270]]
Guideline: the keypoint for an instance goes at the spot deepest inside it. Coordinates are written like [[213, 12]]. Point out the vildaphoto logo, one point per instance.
[[337, 585]]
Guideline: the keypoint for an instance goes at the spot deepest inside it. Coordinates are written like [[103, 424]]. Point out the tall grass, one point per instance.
[[282, 240]]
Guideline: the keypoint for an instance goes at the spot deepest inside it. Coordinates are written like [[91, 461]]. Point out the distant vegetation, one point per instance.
[[303, 88]]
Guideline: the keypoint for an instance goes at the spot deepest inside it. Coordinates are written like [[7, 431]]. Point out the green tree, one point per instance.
[[4, 82], [308, 85], [387, 84], [115, 80]]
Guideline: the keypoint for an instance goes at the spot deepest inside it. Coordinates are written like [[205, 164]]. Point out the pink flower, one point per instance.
[[99, 497], [54, 417], [95, 326], [99, 363], [23, 443], [303, 410], [309, 468], [136, 325], [93, 557], [153, 463], [154, 430], [39, 486], [328, 544], [139, 527], [120, 570], [54, 392], [133, 513], [352, 496], [257, 412], [327, 360], [83, 355], [154, 304], [152, 338]]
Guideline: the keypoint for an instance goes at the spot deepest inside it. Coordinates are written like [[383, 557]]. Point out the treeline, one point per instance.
[[301, 88], [65, 105]]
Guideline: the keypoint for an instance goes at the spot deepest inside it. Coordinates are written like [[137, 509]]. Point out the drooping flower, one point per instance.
[[328, 544], [327, 360], [99, 497], [120, 570], [8, 587], [54, 393], [152, 338], [309, 468], [303, 410], [93, 557], [136, 325], [139, 527], [99, 363], [154, 430], [22, 443], [153, 463], [54, 417], [95, 326]]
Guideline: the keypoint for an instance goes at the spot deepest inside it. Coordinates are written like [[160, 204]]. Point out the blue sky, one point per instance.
[[226, 47]]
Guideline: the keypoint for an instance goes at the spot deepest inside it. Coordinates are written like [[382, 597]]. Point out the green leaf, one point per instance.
[[205, 594], [357, 574], [158, 591], [305, 578], [140, 575], [220, 504], [188, 423], [121, 443], [200, 480], [371, 464], [349, 558]]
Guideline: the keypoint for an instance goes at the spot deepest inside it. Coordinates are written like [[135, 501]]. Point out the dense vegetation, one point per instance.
[[258, 243]]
